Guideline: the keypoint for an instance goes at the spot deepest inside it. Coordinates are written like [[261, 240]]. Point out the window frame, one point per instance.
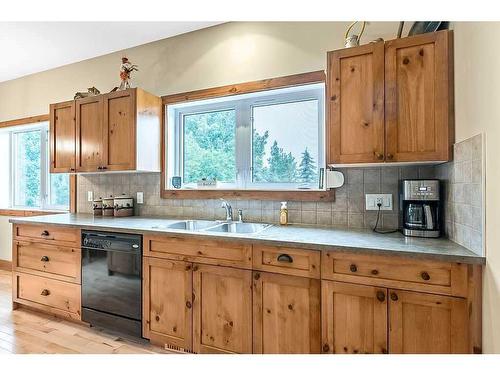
[[40, 123], [255, 192]]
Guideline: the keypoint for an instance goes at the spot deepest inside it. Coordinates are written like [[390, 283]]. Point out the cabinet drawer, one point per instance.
[[285, 260], [54, 296], [57, 261], [388, 271], [202, 251], [48, 233]]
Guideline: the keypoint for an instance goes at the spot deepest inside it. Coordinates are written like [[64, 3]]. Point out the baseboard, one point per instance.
[[5, 265]]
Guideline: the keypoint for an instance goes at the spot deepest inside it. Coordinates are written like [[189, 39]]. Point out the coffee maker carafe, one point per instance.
[[420, 208]]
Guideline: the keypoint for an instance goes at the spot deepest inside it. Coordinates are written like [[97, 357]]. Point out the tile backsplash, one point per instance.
[[462, 179]]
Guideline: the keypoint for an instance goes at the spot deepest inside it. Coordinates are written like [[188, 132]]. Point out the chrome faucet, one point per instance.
[[229, 210]]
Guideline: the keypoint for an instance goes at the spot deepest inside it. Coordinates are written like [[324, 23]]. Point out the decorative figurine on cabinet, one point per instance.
[[125, 69]]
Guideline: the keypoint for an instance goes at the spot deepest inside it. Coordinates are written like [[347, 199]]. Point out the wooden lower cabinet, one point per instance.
[[167, 304], [222, 310], [427, 323], [286, 314], [354, 318]]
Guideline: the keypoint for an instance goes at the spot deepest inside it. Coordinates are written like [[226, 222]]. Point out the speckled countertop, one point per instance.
[[340, 239]]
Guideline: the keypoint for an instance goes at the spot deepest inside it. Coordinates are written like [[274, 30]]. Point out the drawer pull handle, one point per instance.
[[45, 233], [326, 348], [394, 296], [45, 258], [381, 296], [45, 292], [353, 268], [285, 258], [425, 276], [374, 272]]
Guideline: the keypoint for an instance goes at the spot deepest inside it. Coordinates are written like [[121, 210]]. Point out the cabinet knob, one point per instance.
[[157, 318], [425, 276], [381, 296], [326, 348], [394, 296], [45, 233], [72, 169], [45, 258], [390, 156], [353, 268], [256, 276], [374, 272], [195, 268], [45, 292], [285, 258], [379, 155], [104, 167], [99, 168], [188, 304]]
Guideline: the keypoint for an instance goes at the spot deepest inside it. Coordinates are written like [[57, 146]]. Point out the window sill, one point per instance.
[[24, 212], [306, 195]]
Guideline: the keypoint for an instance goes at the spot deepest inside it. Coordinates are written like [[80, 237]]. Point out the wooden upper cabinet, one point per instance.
[[354, 318], [90, 134], [422, 323], [119, 131], [392, 101], [119, 124], [62, 137], [167, 303], [356, 104], [286, 314], [419, 98], [222, 310]]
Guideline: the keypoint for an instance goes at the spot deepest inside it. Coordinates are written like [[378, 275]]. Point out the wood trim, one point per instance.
[[315, 196], [22, 213], [241, 88], [5, 265], [73, 183], [247, 87], [24, 121]]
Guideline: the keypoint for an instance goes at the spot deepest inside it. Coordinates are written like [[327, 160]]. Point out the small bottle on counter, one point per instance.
[[283, 214]]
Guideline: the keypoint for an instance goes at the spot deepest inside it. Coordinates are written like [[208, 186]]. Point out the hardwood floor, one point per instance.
[[26, 331]]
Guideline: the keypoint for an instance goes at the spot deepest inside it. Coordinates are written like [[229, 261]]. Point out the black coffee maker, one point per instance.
[[420, 208]]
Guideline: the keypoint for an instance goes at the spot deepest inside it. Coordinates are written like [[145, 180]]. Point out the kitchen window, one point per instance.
[[268, 140], [25, 154]]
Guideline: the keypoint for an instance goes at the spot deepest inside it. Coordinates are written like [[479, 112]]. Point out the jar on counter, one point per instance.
[[97, 207], [123, 206], [108, 206]]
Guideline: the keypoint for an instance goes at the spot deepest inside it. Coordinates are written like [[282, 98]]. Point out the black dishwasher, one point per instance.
[[111, 281]]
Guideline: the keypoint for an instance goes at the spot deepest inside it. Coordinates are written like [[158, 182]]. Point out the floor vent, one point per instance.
[[178, 349]]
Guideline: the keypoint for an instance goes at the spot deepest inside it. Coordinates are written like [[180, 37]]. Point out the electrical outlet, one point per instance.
[[372, 201], [90, 196], [140, 197]]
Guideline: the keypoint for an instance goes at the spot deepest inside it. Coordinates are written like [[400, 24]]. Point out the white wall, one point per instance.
[[239, 52], [477, 110]]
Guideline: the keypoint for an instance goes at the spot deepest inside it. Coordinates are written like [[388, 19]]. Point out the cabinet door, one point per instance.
[[222, 310], [62, 137], [167, 303], [286, 314], [119, 134], [90, 134], [354, 318], [419, 98], [356, 104], [427, 323]]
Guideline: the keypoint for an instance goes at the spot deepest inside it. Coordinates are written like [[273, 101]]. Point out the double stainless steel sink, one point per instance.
[[215, 226]]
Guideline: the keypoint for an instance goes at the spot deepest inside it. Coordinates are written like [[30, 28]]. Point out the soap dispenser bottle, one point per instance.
[[283, 214]]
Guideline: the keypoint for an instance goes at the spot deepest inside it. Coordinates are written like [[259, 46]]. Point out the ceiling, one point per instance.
[[31, 47]]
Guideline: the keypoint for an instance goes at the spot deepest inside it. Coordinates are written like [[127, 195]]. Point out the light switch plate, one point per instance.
[[90, 196], [373, 199], [140, 197]]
